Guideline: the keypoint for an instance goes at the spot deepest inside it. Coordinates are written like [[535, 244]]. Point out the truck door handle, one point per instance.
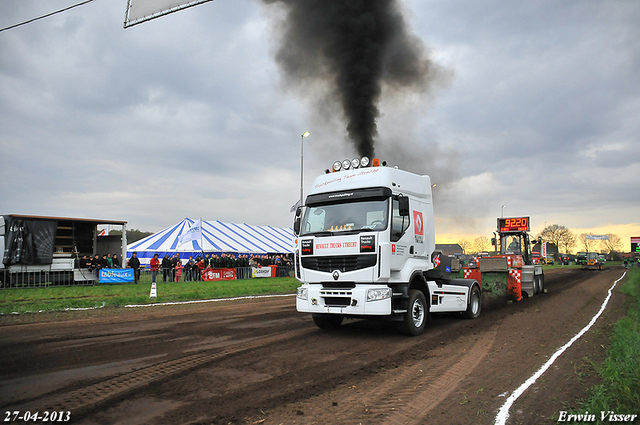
[[411, 250]]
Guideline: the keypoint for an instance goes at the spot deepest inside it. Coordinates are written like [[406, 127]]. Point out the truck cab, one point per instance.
[[366, 248]]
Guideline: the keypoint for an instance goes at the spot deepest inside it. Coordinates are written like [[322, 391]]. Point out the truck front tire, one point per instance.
[[327, 321], [416, 317], [475, 303]]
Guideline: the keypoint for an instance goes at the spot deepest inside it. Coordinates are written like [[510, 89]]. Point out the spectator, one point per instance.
[[188, 269], [134, 263], [154, 266], [116, 262], [166, 268], [109, 261], [178, 270], [174, 262], [85, 262], [96, 263]]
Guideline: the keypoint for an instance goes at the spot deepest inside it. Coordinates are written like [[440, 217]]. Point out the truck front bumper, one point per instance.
[[372, 300]]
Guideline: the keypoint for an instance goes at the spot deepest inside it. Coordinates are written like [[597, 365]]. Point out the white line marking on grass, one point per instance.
[[503, 413], [248, 297]]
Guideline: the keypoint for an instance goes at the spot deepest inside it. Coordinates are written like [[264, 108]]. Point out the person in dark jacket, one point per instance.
[[166, 268], [134, 263]]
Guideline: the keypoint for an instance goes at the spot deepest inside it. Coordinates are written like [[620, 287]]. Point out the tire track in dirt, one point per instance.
[[417, 392], [406, 397], [397, 395], [87, 397]]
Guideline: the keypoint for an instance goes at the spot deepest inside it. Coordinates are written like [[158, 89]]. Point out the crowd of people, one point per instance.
[[172, 268], [97, 262]]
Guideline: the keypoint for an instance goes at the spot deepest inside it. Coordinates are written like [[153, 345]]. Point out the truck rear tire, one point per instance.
[[475, 303], [416, 317], [327, 321]]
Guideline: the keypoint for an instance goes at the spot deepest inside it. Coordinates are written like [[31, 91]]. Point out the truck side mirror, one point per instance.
[[494, 241], [296, 221], [403, 206]]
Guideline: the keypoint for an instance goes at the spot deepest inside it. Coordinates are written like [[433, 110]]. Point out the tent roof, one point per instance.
[[218, 236]]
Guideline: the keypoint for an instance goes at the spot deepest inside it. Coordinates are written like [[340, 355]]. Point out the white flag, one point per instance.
[[194, 233]]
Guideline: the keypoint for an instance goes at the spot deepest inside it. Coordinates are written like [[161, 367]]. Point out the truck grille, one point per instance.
[[344, 263]]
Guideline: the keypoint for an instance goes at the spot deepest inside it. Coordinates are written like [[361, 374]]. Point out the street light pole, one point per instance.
[[502, 211], [305, 134]]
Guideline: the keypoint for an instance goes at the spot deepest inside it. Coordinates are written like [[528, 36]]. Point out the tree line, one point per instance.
[[566, 241]]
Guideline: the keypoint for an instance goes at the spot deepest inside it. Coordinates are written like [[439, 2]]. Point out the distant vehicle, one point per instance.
[[593, 261]]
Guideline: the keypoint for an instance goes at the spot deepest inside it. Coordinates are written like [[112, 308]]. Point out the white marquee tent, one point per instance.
[[217, 237]]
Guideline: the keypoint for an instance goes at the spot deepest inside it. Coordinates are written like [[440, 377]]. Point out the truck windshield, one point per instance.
[[346, 217]]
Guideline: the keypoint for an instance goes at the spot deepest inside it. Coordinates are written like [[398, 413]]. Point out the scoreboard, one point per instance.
[[513, 224], [635, 244]]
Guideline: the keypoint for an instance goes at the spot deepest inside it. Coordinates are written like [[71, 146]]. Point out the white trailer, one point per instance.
[[366, 249]]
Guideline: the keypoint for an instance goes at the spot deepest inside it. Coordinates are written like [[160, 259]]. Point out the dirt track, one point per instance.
[[259, 361]]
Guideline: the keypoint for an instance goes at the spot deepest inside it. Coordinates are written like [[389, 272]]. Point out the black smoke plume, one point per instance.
[[356, 48]]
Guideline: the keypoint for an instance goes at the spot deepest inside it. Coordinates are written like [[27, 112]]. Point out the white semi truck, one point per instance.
[[365, 248]]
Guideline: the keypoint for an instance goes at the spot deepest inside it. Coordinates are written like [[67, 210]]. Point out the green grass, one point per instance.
[[118, 295], [620, 372]]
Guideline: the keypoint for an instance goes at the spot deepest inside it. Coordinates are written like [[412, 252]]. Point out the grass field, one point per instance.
[[619, 391], [118, 295]]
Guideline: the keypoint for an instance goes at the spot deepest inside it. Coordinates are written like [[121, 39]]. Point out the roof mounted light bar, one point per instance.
[[354, 164]]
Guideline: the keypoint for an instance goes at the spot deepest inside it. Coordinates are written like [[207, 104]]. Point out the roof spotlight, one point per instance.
[[364, 162], [346, 164], [337, 166], [355, 163]]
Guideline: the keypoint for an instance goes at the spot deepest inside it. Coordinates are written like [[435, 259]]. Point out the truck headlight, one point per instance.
[[302, 293], [378, 294]]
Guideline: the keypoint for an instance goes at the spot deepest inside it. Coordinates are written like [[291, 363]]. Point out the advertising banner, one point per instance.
[[261, 272], [210, 274], [115, 276]]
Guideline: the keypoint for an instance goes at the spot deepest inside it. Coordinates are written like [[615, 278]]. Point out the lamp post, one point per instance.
[[502, 211], [305, 134]]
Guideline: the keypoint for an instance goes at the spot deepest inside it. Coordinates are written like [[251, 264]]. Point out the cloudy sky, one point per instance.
[[536, 107]]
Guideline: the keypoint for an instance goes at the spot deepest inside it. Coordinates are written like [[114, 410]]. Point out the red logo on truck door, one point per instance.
[[418, 226]]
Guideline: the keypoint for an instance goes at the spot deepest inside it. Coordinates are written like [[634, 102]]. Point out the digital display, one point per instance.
[[513, 224]]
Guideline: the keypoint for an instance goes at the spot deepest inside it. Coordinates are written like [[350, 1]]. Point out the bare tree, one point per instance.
[[613, 244], [481, 244], [567, 240], [588, 244], [553, 234], [465, 244]]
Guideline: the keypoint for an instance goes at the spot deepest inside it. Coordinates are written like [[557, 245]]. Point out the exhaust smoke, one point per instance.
[[353, 49]]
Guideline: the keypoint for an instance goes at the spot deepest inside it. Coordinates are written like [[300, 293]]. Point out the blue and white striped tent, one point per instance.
[[217, 237]]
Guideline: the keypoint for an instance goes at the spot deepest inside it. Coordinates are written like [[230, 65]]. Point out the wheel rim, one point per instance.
[[417, 313], [475, 303]]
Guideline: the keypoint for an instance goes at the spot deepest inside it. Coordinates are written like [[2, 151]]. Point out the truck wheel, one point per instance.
[[475, 303], [327, 321], [415, 319], [541, 283]]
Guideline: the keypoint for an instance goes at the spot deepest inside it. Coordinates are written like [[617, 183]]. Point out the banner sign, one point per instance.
[[210, 274], [261, 272], [597, 237], [115, 276]]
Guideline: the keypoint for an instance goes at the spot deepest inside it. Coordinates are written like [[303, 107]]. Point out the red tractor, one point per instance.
[[511, 273]]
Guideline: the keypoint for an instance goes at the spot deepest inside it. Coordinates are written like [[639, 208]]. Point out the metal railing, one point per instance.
[[86, 277]]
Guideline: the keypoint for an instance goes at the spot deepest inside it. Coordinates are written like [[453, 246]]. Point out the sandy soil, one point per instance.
[[260, 362]]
